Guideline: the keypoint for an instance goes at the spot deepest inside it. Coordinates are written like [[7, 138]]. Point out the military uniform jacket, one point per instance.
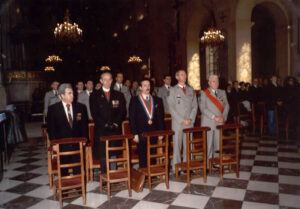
[[84, 98], [208, 108], [182, 106], [163, 93], [126, 93], [50, 99]]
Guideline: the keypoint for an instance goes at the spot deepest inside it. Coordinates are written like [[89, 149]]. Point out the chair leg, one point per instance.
[[188, 178], [204, 174], [129, 188], [101, 184], [237, 170], [92, 174], [60, 199], [83, 193], [176, 172], [210, 166], [149, 182], [50, 180], [167, 180], [108, 190], [221, 171], [54, 192]]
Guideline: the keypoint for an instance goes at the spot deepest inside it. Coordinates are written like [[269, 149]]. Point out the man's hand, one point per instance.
[[219, 119], [136, 138], [160, 137], [54, 148], [187, 122]]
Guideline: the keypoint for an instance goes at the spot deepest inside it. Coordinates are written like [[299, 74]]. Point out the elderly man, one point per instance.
[[122, 88], [214, 110]]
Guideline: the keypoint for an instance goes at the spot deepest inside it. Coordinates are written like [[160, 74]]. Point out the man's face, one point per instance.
[[106, 80], [68, 96], [54, 85], [128, 83], [236, 85], [119, 78], [145, 87], [274, 79], [181, 76], [98, 86], [255, 81], [79, 86], [168, 80], [213, 83], [89, 85]]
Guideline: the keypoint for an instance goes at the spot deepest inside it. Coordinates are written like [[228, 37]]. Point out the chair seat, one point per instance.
[[193, 164], [153, 170], [69, 182], [118, 175], [226, 160]]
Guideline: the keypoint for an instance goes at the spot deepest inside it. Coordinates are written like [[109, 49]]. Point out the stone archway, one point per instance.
[[243, 37]]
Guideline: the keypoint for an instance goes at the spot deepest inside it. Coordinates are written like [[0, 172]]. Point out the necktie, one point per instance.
[[70, 120], [107, 94], [184, 90], [216, 94]]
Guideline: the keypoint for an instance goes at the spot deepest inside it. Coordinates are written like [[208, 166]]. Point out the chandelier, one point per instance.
[[104, 68], [53, 58], [67, 30], [212, 37], [49, 69], [134, 59]]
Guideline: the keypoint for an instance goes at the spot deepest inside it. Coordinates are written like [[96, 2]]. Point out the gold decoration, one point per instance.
[[53, 58], [49, 69], [212, 37], [104, 68], [134, 59]]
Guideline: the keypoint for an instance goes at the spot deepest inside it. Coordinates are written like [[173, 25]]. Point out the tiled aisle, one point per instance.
[[269, 178]]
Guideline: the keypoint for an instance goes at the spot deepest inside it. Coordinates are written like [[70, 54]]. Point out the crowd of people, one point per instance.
[[144, 105]]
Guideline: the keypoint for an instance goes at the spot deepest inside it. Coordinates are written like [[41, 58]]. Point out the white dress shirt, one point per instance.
[[66, 110]]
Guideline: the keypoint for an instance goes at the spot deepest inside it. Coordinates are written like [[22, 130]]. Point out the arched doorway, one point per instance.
[[251, 16]]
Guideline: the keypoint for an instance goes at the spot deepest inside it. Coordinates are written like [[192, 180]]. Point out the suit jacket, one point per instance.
[[58, 125], [139, 118], [84, 98], [208, 108], [50, 99], [182, 106], [163, 93], [126, 93], [107, 111]]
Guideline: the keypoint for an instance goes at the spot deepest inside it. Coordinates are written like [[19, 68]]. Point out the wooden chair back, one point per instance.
[[229, 148], [259, 116], [245, 115], [282, 120], [121, 174], [195, 153], [134, 157], [52, 161], [72, 183], [158, 162]]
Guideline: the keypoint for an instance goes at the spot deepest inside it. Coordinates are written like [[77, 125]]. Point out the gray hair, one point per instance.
[[62, 88], [212, 76]]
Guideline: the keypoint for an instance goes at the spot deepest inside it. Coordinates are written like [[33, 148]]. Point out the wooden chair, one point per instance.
[[134, 157], [52, 161], [121, 174], [246, 116], [259, 116], [160, 167], [72, 184], [90, 161], [168, 126], [282, 121], [195, 153], [229, 149], [44, 133]]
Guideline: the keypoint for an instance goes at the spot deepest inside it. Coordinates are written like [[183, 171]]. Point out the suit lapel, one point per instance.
[[63, 113], [74, 113]]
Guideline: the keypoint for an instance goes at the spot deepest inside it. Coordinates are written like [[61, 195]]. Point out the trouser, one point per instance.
[[213, 143], [271, 122], [142, 150], [179, 141]]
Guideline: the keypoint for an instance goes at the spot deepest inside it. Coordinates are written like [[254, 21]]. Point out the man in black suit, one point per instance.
[[66, 119], [108, 109], [145, 114]]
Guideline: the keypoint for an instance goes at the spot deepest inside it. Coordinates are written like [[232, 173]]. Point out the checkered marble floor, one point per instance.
[[269, 178]]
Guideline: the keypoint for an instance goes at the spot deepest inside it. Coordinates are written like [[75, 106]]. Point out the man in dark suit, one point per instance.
[[145, 114], [108, 109], [66, 119]]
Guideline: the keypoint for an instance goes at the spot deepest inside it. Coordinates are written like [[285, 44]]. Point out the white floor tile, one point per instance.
[[43, 162], [41, 192], [263, 186], [211, 181], [266, 158], [229, 193], [264, 170], [268, 142], [7, 196], [283, 179], [136, 196], [249, 144], [173, 186], [287, 146], [93, 200], [243, 175], [40, 170], [48, 204], [92, 186], [289, 200], [43, 180], [289, 154], [256, 205], [189, 200], [267, 149], [11, 173], [13, 165], [248, 152], [150, 205], [7, 184], [246, 162], [288, 165]]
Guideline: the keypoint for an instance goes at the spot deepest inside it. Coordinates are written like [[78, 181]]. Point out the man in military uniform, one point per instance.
[[214, 111], [84, 96], [164, 91], [51, 97], [183, 107], [119, 86]]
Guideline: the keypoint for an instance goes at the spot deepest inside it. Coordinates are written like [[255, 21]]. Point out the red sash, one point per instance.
[[214, 100]]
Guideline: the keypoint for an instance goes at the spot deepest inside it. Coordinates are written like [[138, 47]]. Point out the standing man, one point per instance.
[[214, 111], [145, 115], [51, 97], [108, 109], [122, 88], [84, 96], [183, 107], [164, 91]]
